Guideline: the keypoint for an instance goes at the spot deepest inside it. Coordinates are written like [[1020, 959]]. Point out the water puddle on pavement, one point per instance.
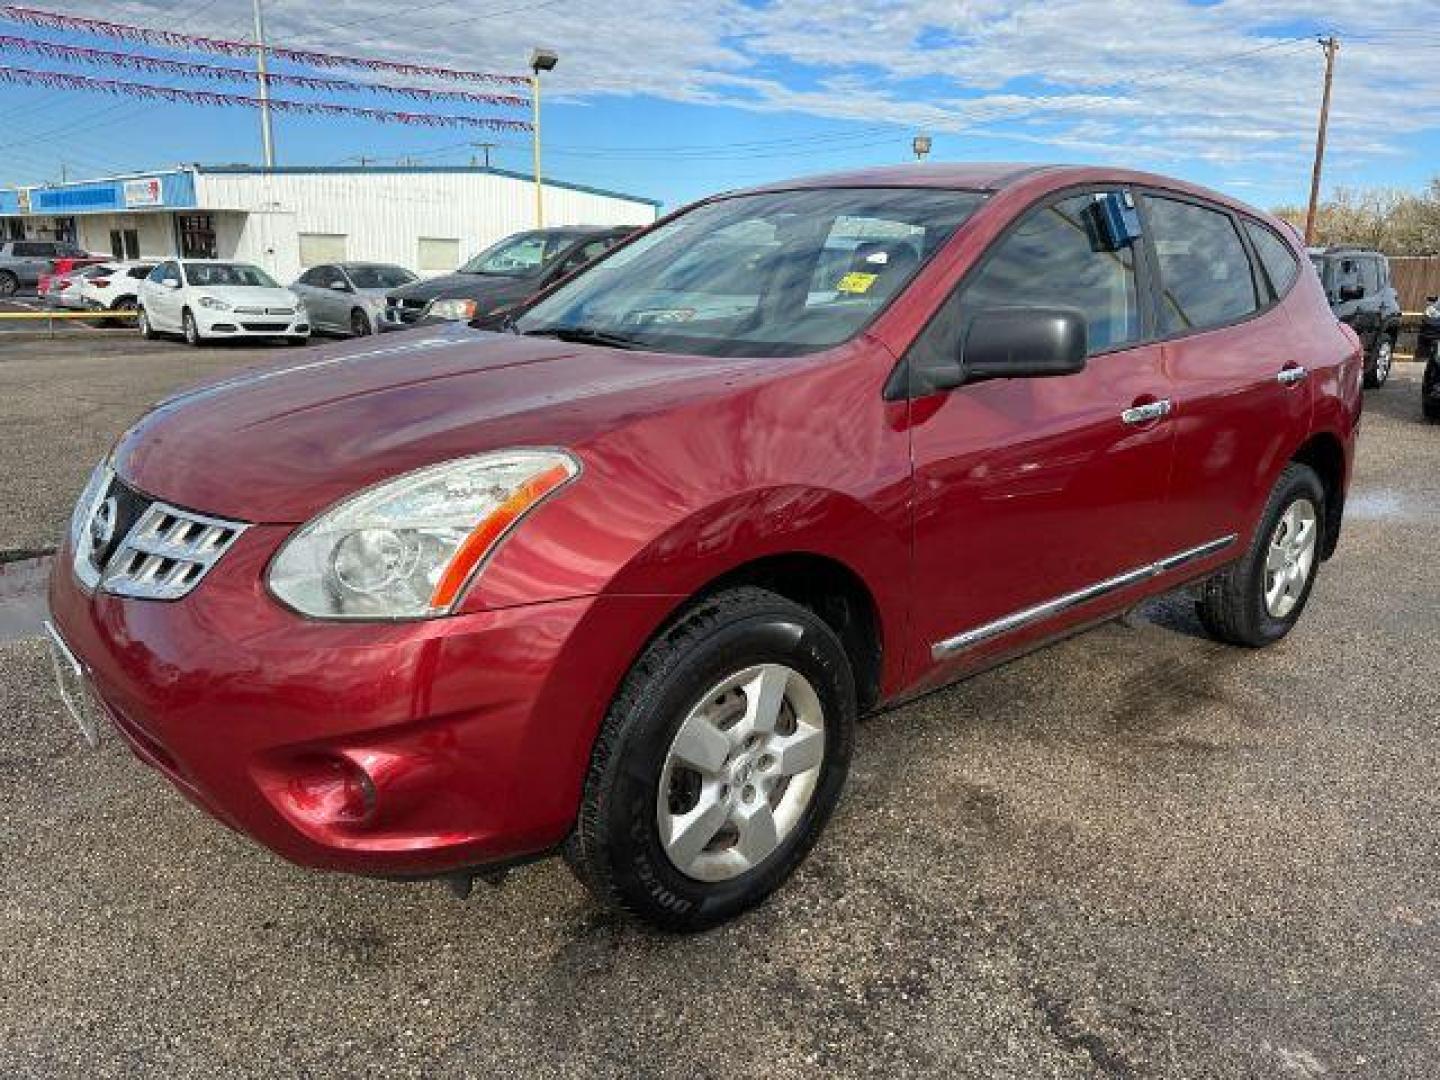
[[23, 610], [1384, 504]]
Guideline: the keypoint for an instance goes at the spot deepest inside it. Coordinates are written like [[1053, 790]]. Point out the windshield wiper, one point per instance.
[[585, 335]]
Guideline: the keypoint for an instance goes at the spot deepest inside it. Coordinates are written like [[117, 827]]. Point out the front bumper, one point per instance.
[[212, 323], [472, 733]]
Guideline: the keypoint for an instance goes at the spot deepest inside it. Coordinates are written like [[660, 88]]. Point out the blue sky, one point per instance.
[[677, 99]]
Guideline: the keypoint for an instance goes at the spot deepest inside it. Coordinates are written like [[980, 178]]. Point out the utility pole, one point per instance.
[[267, 135], [1331, 45], [485, 148]]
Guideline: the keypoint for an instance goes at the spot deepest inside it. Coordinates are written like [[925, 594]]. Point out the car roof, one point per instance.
[[993, 177]]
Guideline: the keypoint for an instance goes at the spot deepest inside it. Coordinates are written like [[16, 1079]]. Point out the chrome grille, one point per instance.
[[264, 311], [160, 552]]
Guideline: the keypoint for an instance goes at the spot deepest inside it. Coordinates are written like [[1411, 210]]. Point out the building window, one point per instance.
[[14, 229], [318, 248], [438, 256], [125, 243], [65, 229], [197, 236]]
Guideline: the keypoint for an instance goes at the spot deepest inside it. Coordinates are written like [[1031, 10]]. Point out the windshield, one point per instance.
[[524, 255], [772, 274], [216, 274], [380, 277]]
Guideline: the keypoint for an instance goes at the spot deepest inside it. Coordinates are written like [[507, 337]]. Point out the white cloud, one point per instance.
[[1153, 82]]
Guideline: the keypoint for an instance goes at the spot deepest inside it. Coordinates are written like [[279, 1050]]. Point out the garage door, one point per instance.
[[317, 248], [438, 256]]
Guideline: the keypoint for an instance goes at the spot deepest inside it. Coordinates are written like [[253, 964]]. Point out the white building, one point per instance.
[[427, 218]]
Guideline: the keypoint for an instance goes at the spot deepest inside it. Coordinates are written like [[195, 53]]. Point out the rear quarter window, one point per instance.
[[1276, 257], [1205, 275]]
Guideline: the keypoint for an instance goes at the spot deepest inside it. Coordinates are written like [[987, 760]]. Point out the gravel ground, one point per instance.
[[1135, 854]]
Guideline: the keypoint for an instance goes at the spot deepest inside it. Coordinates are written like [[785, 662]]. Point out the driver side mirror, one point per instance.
[[1352, 292], [1019, 343]]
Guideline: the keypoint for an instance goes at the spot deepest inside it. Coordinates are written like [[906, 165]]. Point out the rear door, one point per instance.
[[1037, 500], [1242, 388]]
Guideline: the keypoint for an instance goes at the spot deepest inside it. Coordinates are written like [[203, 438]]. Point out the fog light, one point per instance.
[[331, 791]]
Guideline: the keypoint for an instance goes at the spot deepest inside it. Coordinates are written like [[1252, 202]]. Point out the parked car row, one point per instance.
[[28, 264]]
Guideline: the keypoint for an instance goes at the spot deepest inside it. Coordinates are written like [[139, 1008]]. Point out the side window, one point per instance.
[[1056, 258], [138, 272], [584, 254], [1276, 256], [1370, 275], [1205, 276]]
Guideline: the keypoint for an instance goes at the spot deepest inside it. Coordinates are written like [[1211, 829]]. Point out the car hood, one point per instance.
[[278, 444], [247, 295], [481, 287]]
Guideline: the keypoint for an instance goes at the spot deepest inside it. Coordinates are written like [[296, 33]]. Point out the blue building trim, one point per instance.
[[341, 170], [177, 192]]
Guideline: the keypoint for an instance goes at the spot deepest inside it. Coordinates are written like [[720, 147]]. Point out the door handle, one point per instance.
[[1143, 414], [1291, 375]]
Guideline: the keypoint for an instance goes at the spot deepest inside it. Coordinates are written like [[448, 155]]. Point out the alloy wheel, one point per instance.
[[1384, 356], [741, 772], [1291, 557], [359, 324]]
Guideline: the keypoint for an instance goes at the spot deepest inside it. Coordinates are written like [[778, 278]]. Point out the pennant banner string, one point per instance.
[[170, 39], [57, 80], [139, 62]]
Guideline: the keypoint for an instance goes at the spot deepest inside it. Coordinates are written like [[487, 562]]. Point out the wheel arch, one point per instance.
[[1325, 453]]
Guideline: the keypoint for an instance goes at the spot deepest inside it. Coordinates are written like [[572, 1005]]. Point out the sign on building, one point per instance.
[[146, 192]]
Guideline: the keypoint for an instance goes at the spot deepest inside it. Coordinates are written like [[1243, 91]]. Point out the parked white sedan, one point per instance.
[[208, 299]]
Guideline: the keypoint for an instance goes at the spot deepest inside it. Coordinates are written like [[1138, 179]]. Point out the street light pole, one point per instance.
[[267, 135], [540, 60]]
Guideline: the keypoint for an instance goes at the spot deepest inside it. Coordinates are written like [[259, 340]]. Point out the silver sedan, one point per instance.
[[348, 298]]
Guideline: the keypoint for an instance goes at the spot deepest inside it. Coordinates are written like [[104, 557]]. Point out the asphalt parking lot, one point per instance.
[[1135, 854]]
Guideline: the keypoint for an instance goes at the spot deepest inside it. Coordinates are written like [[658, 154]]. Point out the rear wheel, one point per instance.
[[1378, 371], [9, 283], [360, 324], [1257, 600], [718, 763]]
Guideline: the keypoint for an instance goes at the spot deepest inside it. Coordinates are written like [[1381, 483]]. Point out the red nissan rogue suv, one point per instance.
[[617, 580]]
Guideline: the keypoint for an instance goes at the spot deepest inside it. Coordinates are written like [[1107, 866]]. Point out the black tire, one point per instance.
[[142, 322], [615, 848], [1231, 605], [298, 340], [9, 283], [1429, 403], [1380, 362], [191, 331], [360, 324], [1431, 409]]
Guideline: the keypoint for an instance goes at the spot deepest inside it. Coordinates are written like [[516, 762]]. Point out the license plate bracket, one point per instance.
[[75, 689]]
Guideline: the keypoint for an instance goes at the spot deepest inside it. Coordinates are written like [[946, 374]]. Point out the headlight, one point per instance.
[[1432, 311], [85, 506], [452, 309], [406, 548], [213, 304]]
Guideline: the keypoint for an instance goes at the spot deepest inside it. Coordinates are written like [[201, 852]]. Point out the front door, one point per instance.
[[1038, 501]]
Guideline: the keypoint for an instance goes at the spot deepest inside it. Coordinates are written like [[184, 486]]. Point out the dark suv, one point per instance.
[[1357, 284]]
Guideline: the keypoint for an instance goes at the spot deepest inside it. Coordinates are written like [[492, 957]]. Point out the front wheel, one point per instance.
[[192, 332], [1378, 372], [718, 764], [9, 283], [360, 324], [142, 322], [1257, 600]]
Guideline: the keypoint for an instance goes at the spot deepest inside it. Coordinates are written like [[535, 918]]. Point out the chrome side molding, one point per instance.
[[970, 638]]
